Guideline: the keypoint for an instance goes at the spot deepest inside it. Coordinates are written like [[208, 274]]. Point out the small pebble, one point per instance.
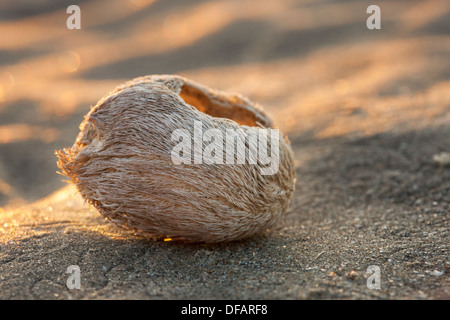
[[437, 273], [442, 158], [352, 275]]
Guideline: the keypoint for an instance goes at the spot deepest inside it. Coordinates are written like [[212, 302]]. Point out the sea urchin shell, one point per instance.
[[122, 163]]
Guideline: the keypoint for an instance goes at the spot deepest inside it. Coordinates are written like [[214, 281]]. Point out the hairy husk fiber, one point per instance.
[[121, 164]]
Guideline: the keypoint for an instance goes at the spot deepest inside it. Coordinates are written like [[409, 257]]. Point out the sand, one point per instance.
[[365, 110]]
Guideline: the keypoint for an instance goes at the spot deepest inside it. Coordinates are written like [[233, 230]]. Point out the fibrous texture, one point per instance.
[[122, 163]]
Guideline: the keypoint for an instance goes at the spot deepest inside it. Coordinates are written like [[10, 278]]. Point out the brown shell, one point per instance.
[[121, 164]]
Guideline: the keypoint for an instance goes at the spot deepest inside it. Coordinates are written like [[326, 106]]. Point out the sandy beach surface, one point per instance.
[[366, 112]]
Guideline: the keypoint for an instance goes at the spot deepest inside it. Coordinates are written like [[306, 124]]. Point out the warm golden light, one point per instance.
[[141, 3], [7, 82], [341, 87], [5, 188], [22, 132], [69, 61]]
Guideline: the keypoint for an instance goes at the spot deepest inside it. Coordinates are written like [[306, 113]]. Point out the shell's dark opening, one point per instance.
[[230, 107]]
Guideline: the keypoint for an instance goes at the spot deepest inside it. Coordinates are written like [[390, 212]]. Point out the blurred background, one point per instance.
[[313, 64]]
